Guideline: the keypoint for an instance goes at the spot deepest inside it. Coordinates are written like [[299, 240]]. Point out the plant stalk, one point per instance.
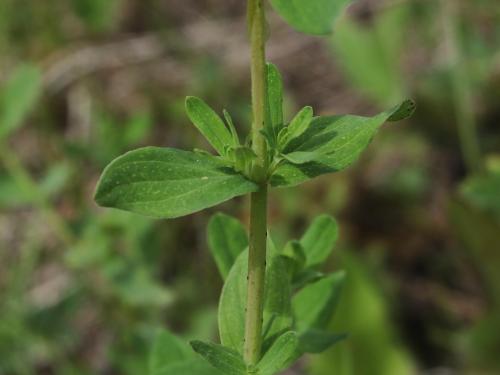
[[258, 200]]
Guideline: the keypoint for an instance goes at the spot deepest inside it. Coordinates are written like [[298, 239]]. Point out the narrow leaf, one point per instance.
[[310, 16], [227, 239], [319, 239], [275, 95], [18, 96], [167, 183], [209, 124], [339, 140], [280, 356], [313, 306], [226, 360], [232, 128], [299, 124]]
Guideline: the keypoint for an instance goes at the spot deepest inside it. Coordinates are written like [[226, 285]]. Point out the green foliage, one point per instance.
[[167, 183], [335, 142], [313, 306], [297, 300], [227, 361], [381, 43], [281, 354], [310, 16], [18, 95], [227, 238], [319, 239], [277, 307], [171, 356], [209, 124]]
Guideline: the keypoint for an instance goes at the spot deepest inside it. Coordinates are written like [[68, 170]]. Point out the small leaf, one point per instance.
[[167, 183], [275, 96], [339, 140], [313, 306], [301, 157], [298, 125], [209, 124], [18, 96], [167, 350], [232, 303], [227, 239], [319, 239], [226, 360], [232, 128], [310, 16], [243, 157], [280, 356], [317, 341], [295, 252]]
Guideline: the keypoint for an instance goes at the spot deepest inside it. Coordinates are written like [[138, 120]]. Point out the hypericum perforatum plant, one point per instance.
[[275, 304]]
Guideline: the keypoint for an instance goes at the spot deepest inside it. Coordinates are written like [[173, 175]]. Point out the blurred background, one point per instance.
[[83, 290]]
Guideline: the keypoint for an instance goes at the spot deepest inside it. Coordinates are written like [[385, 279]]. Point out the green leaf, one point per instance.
[[280, 356], [167, 350], [232, 303], [301, 157], [227, 239], [188, 367], [313, 306], [298, 125], [18, 97], [226, 360], [339, 140], [319, 239], [275, 97], [310, 16], [167, 183], [209, 124], [232, 128], [317, 341], [295, 252]]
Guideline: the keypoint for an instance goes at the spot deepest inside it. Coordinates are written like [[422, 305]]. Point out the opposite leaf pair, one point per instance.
[[299, 300], [167, 183]]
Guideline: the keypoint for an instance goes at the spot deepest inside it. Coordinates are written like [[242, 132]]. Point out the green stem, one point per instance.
[[461, 91], [25, 182], [258, 200]]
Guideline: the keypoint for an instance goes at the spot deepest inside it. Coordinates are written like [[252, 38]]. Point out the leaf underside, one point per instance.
[[168, 183]]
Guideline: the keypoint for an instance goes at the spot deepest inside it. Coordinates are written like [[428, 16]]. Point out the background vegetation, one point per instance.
[[84, 290]]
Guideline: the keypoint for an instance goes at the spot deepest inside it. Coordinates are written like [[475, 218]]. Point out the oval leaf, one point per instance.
[[167, 183], [319, 239], [227, 238], [313, 306], [310, 16]]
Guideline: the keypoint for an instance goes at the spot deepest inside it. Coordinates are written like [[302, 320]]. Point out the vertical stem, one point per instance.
[[258, 200], [461, 90]]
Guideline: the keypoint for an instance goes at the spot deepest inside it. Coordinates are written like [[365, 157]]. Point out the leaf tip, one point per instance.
[[403, 110]]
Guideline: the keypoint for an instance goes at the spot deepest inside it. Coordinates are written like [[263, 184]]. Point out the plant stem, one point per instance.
[[461, 90], [258, 200]]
